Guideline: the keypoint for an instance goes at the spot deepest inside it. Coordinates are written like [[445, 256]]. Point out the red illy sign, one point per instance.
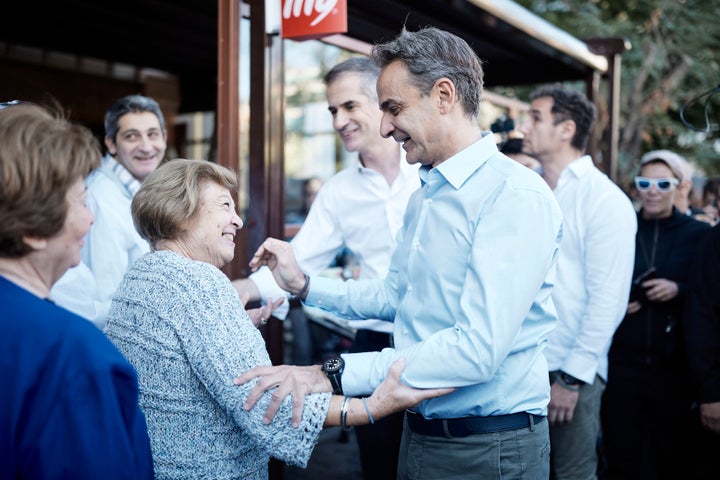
[[305, 19]]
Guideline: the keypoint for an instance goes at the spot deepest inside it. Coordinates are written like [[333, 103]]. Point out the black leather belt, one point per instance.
[[462, 427]]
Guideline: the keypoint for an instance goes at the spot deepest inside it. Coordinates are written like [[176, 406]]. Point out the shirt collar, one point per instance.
[[458, 168], [406, 170], [580, 166], [126, 178]]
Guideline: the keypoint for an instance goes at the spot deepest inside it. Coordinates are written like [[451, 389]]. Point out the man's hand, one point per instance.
[[710, 416], [278, 256], [298, 381], [562, 404]]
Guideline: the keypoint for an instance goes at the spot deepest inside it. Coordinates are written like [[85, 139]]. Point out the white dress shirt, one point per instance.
[[355, 208], [111, 246], [594, 270]]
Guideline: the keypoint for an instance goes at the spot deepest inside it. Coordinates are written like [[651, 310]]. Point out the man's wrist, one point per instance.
[[568, 382], [333, 369], [302, 292]]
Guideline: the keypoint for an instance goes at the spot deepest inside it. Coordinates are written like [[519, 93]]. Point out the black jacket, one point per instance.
[[654, 336], [703, 318]]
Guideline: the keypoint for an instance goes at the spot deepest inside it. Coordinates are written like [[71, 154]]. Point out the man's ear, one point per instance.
[[110, 145], [444, 88], [567, 130]]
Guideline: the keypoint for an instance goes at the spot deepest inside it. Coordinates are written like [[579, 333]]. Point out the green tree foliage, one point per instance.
[[675, 56]]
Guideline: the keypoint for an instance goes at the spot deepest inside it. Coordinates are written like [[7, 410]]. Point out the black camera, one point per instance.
[[503, 125]]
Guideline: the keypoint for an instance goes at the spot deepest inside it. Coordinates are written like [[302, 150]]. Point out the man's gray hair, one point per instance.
[[362, 66], [130, 104], [430, 54]]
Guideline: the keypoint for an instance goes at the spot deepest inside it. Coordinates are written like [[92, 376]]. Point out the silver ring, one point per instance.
[[263, 320]]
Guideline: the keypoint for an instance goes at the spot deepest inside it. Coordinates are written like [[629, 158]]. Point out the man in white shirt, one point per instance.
[[135, 137], [361, 208], [593, 274]]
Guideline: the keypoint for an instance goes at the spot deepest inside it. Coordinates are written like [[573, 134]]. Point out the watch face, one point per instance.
[[333, 365], [569, 379]]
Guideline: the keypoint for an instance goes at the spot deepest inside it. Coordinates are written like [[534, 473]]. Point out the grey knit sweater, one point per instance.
[[183, 327]]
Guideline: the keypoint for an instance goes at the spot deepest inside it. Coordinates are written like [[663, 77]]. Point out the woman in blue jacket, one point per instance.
[[68, 401]]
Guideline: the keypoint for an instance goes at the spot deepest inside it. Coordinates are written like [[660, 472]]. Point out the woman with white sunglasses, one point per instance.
[[647, 417]]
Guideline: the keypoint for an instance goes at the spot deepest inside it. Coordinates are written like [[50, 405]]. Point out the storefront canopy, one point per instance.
[[518, 47], [180, 36]]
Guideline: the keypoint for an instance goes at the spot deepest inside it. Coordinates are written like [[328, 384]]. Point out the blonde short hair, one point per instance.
[[169, 197]]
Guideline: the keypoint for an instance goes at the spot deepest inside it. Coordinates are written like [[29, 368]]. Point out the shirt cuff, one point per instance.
[[265, 283]]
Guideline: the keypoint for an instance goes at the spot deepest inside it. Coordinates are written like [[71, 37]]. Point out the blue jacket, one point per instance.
[[68, 400]]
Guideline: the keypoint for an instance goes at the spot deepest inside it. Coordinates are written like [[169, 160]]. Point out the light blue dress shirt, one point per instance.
[[468, 289]]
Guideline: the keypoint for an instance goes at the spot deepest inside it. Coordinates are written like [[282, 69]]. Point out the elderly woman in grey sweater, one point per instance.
[[177, 318]]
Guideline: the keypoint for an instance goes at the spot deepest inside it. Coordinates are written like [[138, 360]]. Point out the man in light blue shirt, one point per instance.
[[469, 284], [135, 136]]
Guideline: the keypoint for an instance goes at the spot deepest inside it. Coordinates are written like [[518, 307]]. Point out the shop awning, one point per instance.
[[180, 36]]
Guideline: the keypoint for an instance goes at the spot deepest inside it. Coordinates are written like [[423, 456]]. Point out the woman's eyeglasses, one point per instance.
[[663, 184], [8, 104]]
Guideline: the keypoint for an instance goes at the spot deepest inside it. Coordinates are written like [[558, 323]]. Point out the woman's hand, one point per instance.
[[298, 381], [260, 316], [633, 307], [660, 289]]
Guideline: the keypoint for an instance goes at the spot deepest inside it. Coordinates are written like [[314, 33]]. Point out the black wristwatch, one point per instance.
[[569, 380], [333, 368]]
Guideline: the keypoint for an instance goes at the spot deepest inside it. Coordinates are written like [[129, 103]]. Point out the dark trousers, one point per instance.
[[647, 424], [706, 453], [379, 443]]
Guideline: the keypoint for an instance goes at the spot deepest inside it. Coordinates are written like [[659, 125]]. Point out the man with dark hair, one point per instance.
[[593, 273], [468, 287], [135, 137]]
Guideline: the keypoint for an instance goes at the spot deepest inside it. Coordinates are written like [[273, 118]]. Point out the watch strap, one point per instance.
[[335, 382], [569, 382]]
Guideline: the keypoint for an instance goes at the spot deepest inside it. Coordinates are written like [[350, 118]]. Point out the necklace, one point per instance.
[[650, 261]]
